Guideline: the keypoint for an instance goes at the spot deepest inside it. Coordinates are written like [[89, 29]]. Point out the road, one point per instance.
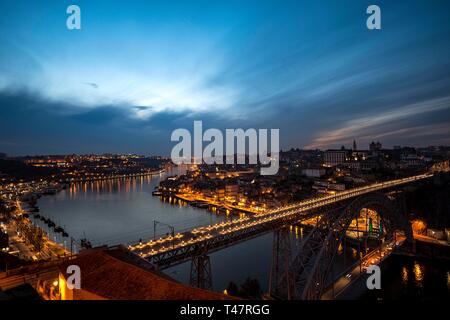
[[21, 249], [375, 257], [17, 245]]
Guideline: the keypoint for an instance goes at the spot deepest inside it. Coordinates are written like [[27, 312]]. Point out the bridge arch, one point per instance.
[[310, 269], [387, 208]]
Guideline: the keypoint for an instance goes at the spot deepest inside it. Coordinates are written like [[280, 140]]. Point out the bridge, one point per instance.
[[306, 274]]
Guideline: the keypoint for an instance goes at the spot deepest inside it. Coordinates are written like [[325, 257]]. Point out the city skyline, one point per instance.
[[134, 73], [167, 156]]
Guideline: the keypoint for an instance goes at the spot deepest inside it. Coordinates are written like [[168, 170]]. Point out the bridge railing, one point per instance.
[[217, 231]]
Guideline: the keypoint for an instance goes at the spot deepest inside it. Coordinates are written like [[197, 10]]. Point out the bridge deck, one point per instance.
[[171, 250]]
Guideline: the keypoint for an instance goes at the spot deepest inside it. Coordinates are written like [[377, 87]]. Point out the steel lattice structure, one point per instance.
[[305, 277], [181, 254], [310, 269], [175, 253], [201, 276]]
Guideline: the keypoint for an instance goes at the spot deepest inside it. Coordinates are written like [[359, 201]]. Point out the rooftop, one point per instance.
[[117, 274]]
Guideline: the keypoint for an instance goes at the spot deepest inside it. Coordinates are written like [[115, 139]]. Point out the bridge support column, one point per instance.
[[280, 285], [400, 199], [201, 276]]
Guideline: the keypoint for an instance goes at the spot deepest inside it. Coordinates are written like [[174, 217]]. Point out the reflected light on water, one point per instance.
[[418, 273], [404, 275]]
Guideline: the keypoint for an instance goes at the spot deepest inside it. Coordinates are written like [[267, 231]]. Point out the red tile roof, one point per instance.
[[118, 274]]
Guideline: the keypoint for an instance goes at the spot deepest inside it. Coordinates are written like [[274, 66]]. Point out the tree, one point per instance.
[[250, 289], [232, 289]]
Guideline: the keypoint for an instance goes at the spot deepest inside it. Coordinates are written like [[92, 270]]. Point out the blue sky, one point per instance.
[[139, 69]]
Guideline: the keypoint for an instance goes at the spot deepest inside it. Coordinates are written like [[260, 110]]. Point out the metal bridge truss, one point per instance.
[[179, 255], [307, 275], [303, 275], [201, 276]]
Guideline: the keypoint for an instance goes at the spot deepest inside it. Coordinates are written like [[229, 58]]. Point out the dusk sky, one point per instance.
[[139, 69]]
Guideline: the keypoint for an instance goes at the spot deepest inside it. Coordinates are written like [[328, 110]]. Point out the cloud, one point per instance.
[[148, 69], [371, 125], [91, 84], [440, 129]]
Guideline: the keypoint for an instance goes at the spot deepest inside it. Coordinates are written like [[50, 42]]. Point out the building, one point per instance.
[[336, 186], [314, 172], [333, 158], [436, 234], [232, 192], [221, 194], [326, 186], [50, 161], [412, 160], [375, 146]]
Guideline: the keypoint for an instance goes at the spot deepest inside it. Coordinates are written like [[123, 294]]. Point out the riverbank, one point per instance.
[[120, 211], [212, 204], [113, 177]]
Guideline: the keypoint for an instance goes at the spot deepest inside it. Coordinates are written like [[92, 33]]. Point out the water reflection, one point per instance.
[[405, 275], [410, 278], [121, 210], [418, 274]]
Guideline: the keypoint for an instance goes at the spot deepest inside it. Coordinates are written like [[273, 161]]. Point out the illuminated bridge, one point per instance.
[[301, 276]]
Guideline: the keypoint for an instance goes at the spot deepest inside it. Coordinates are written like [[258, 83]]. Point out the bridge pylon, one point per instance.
[[201, 276], [402, 210], [280, 286]]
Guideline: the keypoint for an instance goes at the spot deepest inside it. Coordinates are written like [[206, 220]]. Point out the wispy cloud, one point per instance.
[[91, 84], [369, 126]]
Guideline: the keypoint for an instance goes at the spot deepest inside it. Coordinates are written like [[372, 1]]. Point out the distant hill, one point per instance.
[[20, 170]]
